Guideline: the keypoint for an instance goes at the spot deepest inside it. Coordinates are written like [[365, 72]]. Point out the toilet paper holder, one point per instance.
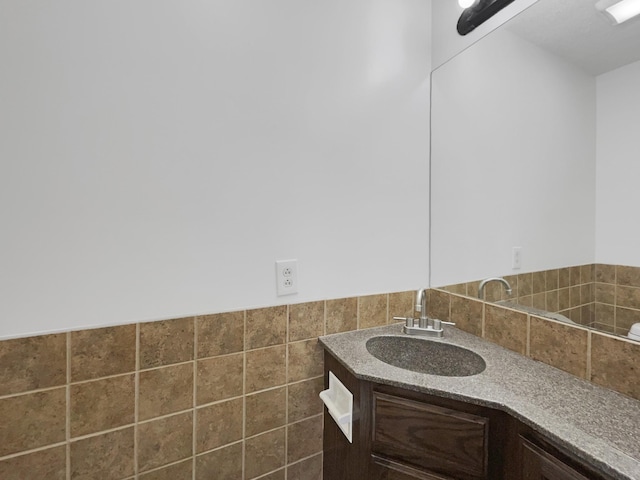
[[339, 402]]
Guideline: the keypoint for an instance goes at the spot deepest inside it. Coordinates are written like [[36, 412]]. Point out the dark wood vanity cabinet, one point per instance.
[[400, 434], [539, 460], [426, 439]]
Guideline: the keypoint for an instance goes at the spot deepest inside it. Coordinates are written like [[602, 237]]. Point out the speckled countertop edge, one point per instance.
[[599, 426]]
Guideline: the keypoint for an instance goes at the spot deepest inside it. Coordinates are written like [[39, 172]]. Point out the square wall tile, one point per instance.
[[587, 273], [605, 273], [165, 440], [564, 299], [605, 314], [626, 317], [493, 292], [527, 300], [303, 399], [266, 410], [539, 300], [32, 363], [628, 297], [266, 453], [459, 288], [177, 471], [401, 304], [219, 424], [50, 464], [614, 364], [507, 328], [306, 320], [108, 456], [165, 390], [473, 288], [552, 301], [552, 280], [341, 315], [574, 273], [266, 327], [574, 292], [372, 311], [166, 342], [306, 360], [539, 282], [102, 352], [561, 346], [308, 469], [525, 284], [605, 293], [304, 438], [265, 368], [102, 404], [219, 378], [220, 334], [564, 278], [628, 276], [467, 313], [277, 475], [221, 464], [32, 420], [439, 305]]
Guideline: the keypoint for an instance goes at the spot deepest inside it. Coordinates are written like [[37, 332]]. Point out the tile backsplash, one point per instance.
[[234, 396], [606, 297], [229, 396]]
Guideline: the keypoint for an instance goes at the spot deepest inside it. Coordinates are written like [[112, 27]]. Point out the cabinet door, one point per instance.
[[429, 441], [538, 464]]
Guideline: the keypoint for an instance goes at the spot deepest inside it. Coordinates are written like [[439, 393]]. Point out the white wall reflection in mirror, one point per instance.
[[535, 143]]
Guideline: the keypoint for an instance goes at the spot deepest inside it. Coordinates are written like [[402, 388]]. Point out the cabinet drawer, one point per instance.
[[446, 442], [537, 464]]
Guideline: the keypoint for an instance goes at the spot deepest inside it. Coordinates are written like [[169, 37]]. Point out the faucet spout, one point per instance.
[[507, 287], [421, 306]]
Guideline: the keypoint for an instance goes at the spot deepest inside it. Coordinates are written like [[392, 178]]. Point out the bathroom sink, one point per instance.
[[425, 356]]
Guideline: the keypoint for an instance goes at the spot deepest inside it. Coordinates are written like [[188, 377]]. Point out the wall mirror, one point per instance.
[[535, 150]]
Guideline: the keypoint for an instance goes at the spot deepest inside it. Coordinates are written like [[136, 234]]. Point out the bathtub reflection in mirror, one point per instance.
[[535, 145]]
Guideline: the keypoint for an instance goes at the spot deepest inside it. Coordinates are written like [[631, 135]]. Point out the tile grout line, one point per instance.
[[68, 409], [136, 403], [194, 402], [286, 393], [244, 392]]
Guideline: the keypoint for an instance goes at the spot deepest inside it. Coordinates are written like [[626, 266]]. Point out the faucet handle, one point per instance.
[[408, 321], [437, 324]]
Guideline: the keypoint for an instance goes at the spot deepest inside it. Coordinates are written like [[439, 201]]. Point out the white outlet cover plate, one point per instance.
[[286, 277]]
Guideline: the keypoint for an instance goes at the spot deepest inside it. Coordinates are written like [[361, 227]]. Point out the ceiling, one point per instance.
[[576, 31]]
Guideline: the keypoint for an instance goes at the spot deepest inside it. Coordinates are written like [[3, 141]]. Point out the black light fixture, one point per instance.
[[478, 13]]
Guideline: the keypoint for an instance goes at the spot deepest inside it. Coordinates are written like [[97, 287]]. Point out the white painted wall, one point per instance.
[[618, 167], [446, 40], [513, 161], [157, 157]]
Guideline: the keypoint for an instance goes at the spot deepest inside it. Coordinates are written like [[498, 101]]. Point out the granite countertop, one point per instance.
[[599, 426]]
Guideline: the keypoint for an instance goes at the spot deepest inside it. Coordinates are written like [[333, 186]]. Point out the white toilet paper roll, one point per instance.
[[634, 332]]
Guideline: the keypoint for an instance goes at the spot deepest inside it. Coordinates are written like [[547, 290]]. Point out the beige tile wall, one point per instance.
[[234, 396], [227, 396], [606, 360], [606, 297]]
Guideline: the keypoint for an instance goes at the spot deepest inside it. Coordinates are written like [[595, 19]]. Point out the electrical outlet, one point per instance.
[[286, 277], [516, 258]]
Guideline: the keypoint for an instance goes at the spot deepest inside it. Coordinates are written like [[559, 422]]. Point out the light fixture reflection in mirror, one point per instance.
[[619, 11], [466, 3]]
